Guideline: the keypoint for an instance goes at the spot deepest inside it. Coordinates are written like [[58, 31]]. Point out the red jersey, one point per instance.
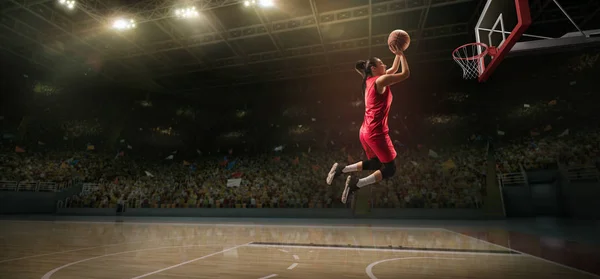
[[377, 108]]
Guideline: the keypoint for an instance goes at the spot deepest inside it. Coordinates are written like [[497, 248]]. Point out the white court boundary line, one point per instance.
[[292, 266], [190, 261], [525, 254], [88, 248], [49, 273], [369, 269], [56, 253], [383, 250], [268, 276], [161, 223]]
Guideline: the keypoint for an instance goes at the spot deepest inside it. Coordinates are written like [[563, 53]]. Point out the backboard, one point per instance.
[[500, 32], [501, 25]]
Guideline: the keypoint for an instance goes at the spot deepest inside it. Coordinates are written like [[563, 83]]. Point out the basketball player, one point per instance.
[[374, 132]]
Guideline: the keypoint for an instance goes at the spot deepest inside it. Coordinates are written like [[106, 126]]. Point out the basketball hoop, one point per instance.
[[470, 58]]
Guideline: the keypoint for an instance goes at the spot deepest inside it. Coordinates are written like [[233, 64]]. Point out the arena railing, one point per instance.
[[34, 186], [514, 178], [8, 185], [583, 172], [89, 187], [85, 189]]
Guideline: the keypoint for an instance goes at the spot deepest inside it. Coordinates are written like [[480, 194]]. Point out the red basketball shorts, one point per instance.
[[379, 146]]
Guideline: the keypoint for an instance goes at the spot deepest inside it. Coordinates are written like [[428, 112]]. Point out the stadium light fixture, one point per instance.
[[262, 3], [70, 4], [190, 12], [123, 24], [266, 3]]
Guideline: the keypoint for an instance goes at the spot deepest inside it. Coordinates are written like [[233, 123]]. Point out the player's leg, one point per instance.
[[371, 164], [384, 149], [338, 169]]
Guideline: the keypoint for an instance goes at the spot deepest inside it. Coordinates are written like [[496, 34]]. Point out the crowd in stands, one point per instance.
[[280, 179], [444, 178], [294, 179], [30, 167], [578, 149]]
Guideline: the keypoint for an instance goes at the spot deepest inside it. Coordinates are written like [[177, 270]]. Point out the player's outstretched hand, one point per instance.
[[396, 51]]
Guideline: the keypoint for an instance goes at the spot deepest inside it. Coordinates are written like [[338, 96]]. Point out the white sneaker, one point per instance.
[[350, 188], [333, 173]]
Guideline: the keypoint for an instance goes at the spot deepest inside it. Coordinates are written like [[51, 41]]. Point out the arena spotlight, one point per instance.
[[262, 3], [266, 3], [187, 12], [70, 4], [123, 24]]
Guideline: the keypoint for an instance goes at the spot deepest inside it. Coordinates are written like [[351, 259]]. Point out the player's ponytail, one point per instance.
[[361, 66], [364, 67]]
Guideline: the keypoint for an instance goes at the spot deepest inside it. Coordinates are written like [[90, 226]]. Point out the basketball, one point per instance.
[[400, 39]]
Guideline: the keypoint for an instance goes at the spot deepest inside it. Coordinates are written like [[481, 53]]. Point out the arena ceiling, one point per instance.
[[231, 44]]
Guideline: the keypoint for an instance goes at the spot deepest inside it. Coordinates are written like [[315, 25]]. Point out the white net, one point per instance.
[[469, 58]]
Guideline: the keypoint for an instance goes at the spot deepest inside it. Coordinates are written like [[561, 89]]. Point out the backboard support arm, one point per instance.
[[570, 19]]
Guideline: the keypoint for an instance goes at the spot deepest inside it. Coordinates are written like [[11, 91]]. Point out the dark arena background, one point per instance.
[[193, 139]]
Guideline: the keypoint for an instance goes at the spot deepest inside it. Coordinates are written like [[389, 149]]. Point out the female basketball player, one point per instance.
[[374, 135]]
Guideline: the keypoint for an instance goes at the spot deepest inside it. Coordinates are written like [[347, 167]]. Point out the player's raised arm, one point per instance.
[[387, 80], [396, 64]]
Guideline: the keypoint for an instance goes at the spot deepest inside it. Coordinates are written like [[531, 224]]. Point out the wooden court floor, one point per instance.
[[38, 249]]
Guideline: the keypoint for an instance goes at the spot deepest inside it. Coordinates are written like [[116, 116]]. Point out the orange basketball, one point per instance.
[[400, 39]]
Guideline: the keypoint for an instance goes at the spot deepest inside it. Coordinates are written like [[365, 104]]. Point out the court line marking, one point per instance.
[[87, 248], [357, 226], [390, 247], [296, 257], [525, 254], [190, 261], [268, 276], [292, 266], [369, 268], [356, 244], [53, 253], [382, 249], [49, 273]]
